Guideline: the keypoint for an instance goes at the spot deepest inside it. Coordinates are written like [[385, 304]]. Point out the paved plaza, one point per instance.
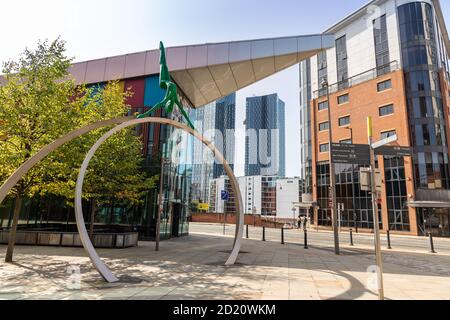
[[191, 268]]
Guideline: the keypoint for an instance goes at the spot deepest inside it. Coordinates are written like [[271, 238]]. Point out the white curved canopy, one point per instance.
[[209, 72]]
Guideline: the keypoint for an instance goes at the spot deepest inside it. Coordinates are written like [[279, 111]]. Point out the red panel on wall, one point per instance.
[[138, 87]]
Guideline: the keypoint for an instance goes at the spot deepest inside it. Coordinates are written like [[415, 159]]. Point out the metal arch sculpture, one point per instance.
[[123, 123], [86, 241]]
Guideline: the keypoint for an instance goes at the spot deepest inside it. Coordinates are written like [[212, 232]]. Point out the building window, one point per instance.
[[357, 203], [381, 45], [324, 147], [346, 141], [420, 55], [386, 110], [385, 85], [344, 121], [322, 67], [388, 134], [341, 62], [324, 126], [343, 99], [323, 105], [396, 194]]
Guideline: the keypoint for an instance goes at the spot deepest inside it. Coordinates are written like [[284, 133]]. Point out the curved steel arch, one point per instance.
[[123, 123], [87, 243]]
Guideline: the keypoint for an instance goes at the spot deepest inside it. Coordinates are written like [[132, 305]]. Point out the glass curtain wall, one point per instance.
[[424, 96]]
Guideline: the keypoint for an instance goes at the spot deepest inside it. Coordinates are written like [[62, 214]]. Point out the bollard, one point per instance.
[[351, 238], [247, 232], [264, 234], [431, 243], [282, 235], [388, 234], [306, 239]]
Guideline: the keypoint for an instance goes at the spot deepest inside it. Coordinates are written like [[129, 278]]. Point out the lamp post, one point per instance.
[[351, 132], [355, 218], [161, 197], [376, 223], [325, 85]]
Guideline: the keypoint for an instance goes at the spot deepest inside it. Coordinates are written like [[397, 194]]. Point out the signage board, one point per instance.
[[225, 195], [350, 153], [365, 179], [384, 142], [203, 206], [394, 151]]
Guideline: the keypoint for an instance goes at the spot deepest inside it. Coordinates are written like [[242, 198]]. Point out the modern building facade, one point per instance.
[[216, 204], [216, 122], [269, 196], [390, 62], [259, 194], [289, 193], [265, 145]]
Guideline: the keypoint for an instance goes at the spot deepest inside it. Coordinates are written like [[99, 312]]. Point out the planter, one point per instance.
[[68, 239]]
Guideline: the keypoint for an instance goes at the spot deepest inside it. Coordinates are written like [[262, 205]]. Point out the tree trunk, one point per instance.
[[13, 231], [93, 210]]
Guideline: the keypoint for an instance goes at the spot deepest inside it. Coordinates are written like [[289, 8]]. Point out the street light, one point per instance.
[[164, 159], [325, 85], [351, 133], [355, 217]]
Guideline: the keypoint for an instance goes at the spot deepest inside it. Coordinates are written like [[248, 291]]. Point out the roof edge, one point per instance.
[[357, 13]]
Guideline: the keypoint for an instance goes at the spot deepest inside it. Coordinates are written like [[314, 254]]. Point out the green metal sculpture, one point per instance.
[[171, 99]]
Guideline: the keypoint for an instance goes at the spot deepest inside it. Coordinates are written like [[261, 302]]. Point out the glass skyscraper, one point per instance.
[[265, 145], [216, 122]]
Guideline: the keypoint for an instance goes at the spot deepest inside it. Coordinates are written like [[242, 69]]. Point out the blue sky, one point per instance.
[[99, 28]]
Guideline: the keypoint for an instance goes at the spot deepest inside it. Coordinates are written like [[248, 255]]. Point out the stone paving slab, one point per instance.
[[192, 268]]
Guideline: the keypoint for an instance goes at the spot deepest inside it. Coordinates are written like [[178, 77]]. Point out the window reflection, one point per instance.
[[420, 64]]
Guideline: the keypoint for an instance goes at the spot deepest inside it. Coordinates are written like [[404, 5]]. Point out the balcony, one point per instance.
[[359, 78]]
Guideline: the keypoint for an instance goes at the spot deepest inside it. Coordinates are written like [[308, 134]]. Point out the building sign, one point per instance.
[[350, 153], [203, 206], [360, 153], [365, 179], [225, 195]]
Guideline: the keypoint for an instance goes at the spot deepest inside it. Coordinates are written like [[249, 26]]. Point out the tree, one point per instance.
[[39, 103], [114, 173]]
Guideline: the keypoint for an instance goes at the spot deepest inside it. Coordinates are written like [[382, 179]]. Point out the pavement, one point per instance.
[[192, 268], [402, 243]]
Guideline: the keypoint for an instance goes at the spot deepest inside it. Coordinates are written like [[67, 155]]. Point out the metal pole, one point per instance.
[[161, 199], [282, 235], [306, 239], [388, 234], [247, 232], [431, 242], [332, 174], [224, 217], [351, 238], [264, 234], [376, 222], [340, 216]]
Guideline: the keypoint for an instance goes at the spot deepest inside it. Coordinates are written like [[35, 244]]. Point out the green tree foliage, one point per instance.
[[39, 103]]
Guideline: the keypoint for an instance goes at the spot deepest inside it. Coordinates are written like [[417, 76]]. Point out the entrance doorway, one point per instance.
[[176, 215], [434, 220]]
